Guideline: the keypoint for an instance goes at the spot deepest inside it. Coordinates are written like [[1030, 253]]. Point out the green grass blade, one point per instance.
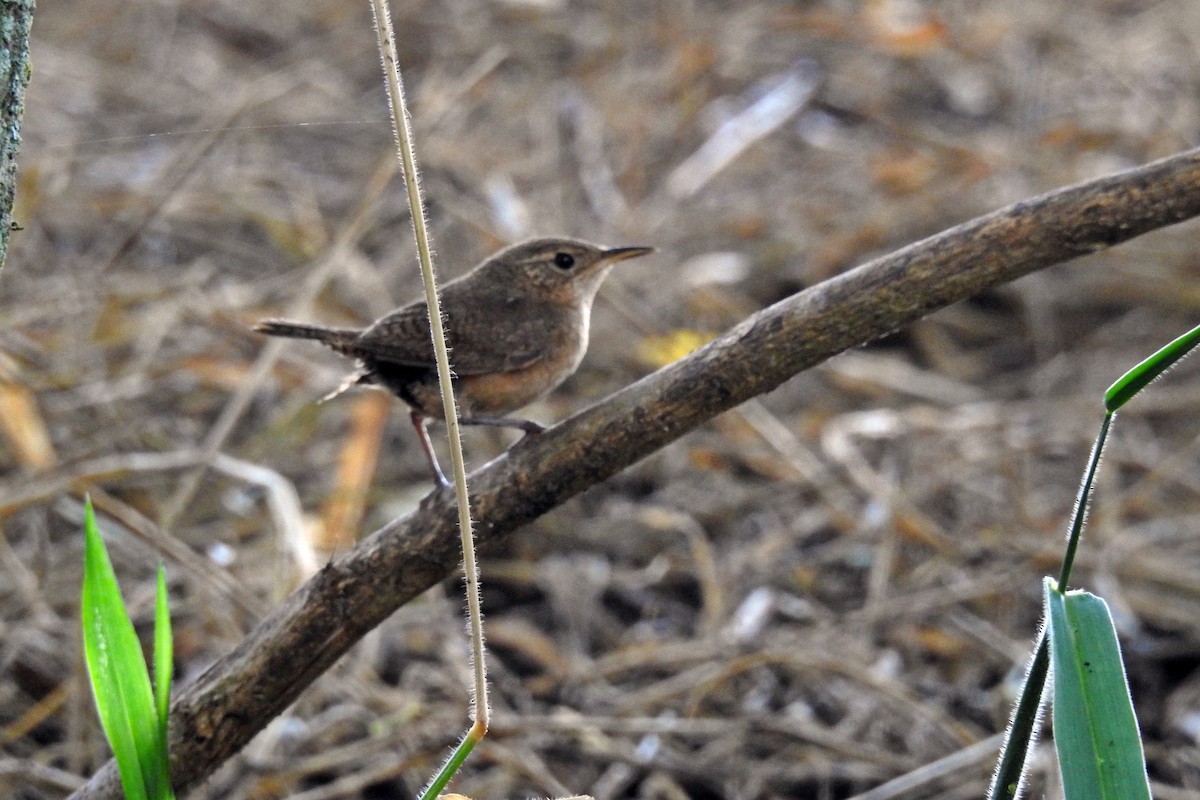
[[1095, 730], [452, 765], [1010, 771], [1083, 500], [1144, 373], [120, 680], [164, 664]]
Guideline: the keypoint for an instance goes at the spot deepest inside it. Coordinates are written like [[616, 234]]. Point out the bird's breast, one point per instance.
[[502, 392]]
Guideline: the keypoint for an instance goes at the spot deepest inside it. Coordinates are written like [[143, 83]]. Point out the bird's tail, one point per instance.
[[338, 338]]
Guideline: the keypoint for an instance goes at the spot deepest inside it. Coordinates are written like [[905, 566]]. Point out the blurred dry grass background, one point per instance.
[[814, 594]]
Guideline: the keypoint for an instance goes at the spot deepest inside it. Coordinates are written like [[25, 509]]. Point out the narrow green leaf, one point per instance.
[[1095, 730], [164, 655], [1144, 373], [1081, 504], [1009, 778], [98, 585], [453, 763], [120, 680]]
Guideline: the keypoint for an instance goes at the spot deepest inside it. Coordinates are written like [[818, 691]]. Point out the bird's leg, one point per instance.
[[529, 426], [421, 423]]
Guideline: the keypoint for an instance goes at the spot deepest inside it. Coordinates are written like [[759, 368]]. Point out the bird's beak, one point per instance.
[[615, 254]]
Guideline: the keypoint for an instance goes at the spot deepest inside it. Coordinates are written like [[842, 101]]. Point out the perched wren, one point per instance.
[[516, 325]]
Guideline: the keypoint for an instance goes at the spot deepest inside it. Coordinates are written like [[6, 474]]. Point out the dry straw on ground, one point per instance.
[[809, 596]]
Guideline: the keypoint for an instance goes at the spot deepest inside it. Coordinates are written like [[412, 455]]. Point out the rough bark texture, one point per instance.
[[218, 714], [16, 18]]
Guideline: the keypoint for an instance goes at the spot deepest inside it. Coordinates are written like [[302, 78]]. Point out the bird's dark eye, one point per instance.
[[564, 260]]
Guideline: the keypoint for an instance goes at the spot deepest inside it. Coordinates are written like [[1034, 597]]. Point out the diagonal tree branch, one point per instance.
[[219, 713]]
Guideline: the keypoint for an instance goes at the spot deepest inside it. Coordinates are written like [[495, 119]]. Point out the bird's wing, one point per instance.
[[403, 337]]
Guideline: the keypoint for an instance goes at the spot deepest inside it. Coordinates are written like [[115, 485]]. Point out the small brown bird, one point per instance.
[[517, 327]]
